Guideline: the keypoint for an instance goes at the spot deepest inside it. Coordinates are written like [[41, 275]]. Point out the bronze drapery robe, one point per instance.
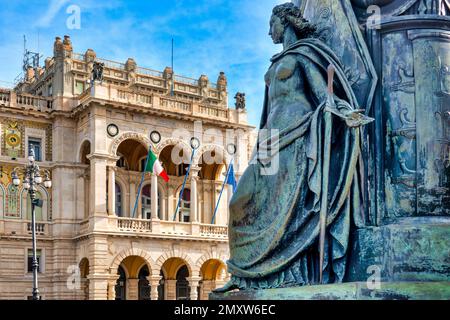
[[274, 219]]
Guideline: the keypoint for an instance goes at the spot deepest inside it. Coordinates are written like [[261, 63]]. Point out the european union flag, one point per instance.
[[231, 179]]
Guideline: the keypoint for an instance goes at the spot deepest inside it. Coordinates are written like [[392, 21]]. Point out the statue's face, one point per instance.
[[276, 29]]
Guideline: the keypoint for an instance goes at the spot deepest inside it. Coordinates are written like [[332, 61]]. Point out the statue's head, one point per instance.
[[285, 15]]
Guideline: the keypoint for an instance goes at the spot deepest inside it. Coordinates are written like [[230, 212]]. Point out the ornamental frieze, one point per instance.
[[13, 137], [129, 135]]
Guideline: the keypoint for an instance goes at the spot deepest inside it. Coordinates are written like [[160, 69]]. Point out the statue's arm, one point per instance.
[[315, 80], [317, 83]]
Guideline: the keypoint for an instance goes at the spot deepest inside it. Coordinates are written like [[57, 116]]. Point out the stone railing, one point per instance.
[[5, 97], [147, 76], [130, 97], [166, 228], [215, 112], [173, 104], [11, 99], [134, 225], [211, 230], [41, 228], [78, 56], [41, 103], [149, 72], [111, 64], [186, 80], [175, 228]]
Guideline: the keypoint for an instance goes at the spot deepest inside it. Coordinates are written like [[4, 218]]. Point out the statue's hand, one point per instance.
[[356, 118]]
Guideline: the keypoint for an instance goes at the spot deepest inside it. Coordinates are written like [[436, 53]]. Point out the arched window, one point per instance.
[[37, 209], [121, 163], [2, 201], [146, 200], [183, 291], [118, 201], [41, 212], [12, 202], [185, 205], [143, 284], [121, 284], [142, 163]]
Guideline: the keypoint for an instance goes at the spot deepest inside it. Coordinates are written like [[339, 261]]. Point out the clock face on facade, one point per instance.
[[113, 130], [13, 140]]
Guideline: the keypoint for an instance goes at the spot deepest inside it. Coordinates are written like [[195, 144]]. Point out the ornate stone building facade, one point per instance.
[[94, 138]]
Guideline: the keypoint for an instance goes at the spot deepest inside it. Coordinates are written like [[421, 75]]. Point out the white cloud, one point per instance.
[[47, 18], [206, 42]]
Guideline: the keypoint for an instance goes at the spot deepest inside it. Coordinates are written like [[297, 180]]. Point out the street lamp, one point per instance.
[[32, 178]]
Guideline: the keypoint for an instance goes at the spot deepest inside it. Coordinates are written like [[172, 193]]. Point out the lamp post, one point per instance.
[[31, 179]]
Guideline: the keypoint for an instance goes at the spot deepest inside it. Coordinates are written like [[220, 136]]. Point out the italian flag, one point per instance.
[[154, 166]]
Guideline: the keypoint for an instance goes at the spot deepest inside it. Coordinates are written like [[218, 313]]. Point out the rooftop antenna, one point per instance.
[[30, 59], [173, 75]]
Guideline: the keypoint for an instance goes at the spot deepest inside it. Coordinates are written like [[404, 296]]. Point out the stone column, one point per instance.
[[87, 195], [112, 287], [170, 289], [170, 201], [154, 284], [207, 287], [132, 289], [97, 185], [133, 199], [80, 198], [224, 220], [201, 295], [193, 284], [194, 216], [154, 196], [98, 287], [98, 276], [194, 201], [112, 190]]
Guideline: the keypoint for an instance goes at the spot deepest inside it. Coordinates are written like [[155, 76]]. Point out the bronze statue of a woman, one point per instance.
[[274, 227]]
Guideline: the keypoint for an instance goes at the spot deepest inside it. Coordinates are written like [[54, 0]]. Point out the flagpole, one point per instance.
[[221, 191], [173, 73], [140, 185], [184, 184]]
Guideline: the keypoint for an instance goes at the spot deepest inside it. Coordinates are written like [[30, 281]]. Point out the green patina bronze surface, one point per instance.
[[347, 291], [388, 199], [274, 214]]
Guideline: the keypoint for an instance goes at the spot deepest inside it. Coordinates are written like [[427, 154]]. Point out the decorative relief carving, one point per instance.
[[13, 134], [129, 135], [172, 142], [12, 208], [406, 131], [438, 7], [338, 27], [208, 148], [403, 7], [406, 83], [408, 128], [324, 29], [442, 116], [13, 139]]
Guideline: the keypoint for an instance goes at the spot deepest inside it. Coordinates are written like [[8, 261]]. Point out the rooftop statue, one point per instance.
[[97, 71], [240, 100], [310, 134]]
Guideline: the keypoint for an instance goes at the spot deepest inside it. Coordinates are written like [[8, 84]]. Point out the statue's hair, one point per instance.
[[292, 15]]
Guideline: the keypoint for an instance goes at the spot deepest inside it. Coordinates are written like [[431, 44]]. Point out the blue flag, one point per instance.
[[231, 179]]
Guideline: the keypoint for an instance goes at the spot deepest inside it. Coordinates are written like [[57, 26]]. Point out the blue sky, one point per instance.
[[210, 36]]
